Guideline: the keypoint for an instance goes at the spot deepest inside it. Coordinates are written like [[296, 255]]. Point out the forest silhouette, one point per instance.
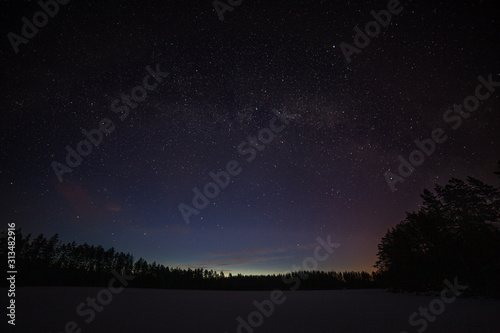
[[455, 233]]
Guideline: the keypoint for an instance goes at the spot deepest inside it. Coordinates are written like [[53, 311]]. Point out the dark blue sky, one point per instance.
[[322, 174]]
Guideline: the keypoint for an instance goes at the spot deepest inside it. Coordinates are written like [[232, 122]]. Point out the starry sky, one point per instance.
[[343, 124]]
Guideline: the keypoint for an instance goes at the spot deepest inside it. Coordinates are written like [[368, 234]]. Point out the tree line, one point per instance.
[[45, 261], [456, 233]]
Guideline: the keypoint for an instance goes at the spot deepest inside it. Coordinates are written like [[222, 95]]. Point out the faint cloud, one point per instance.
[[179, 229], [249, 252], [79, 199], [245, 257], [240, 261], [113, 207]]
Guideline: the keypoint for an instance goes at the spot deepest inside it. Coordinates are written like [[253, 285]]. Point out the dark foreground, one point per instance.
[[50, 309]]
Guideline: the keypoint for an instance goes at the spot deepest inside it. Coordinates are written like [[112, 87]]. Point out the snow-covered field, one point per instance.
[[49, 309]]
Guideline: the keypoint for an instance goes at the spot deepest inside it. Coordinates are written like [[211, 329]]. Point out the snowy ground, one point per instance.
[[48, 309]]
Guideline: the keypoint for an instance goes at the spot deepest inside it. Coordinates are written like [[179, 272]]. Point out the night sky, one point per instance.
[[218, 84]]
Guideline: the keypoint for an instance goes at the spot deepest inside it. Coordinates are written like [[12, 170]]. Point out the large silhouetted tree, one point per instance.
[[455, 233]]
